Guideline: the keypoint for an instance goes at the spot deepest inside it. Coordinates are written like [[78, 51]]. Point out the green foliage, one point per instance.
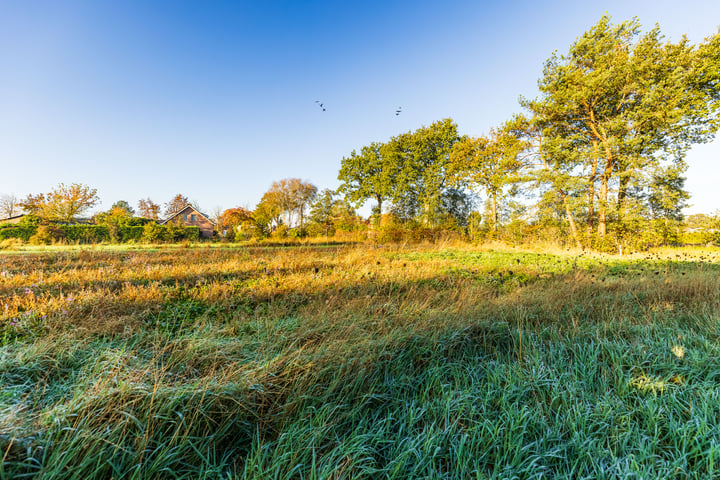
[[16, 231], [170, 232], [29, 220], [615, 109], [153, 233], [47, 234], [409, 171]]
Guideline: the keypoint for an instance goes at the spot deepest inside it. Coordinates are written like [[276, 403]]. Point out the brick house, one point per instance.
[[190, 217]]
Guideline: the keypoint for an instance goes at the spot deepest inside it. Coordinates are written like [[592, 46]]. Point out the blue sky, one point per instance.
[[216, 100]]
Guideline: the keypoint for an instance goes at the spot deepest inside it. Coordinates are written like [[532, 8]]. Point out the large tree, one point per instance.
[[9, 206], [368, 175], [148, 209], [288, 198], [489, 164], [422, 159], [62, 204], [177, 203], [624, 104], [408, 171]]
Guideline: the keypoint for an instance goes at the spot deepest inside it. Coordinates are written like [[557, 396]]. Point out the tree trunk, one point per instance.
[[604, 181], [379, 214], [571, 221], [591, 191], [602, 215], [494, 213], [622, 195]]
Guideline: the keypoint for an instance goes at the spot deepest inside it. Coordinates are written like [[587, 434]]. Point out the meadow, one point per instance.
[[358, 361]]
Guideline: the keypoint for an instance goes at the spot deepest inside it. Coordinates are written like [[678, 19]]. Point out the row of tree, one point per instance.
[[601, 150]]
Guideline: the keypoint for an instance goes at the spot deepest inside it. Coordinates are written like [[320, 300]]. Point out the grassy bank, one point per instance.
[[359, 362]]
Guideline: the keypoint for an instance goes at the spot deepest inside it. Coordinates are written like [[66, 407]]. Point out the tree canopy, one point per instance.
[[63, 204]]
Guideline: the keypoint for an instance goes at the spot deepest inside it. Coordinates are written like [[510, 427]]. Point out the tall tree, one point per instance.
[[625, 103], [490, 164], [63, 203], [369, 175], [177, 203], [421, 158], [123, 205], [291, 198], [9, 206], [148, 209]]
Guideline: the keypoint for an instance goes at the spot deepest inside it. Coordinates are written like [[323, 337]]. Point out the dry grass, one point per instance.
[[248, 361]]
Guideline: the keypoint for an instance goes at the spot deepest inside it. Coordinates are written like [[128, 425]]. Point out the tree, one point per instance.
[[622, 104], [149, 209], [234, 217], [289, 197], [322, 209], [490, 164], [123, 205], [117, 216], [63, 203], [33, 204], [368, 175], [9, 206], [176, 204], [421, 160], [409, 171]]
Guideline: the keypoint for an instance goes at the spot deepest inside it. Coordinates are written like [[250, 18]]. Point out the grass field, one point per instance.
[[358, 362]]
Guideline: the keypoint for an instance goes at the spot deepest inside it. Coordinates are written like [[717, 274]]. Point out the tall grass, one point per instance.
[[358, 363]]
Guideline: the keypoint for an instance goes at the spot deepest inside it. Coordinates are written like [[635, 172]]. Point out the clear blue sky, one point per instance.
[[215, 100]]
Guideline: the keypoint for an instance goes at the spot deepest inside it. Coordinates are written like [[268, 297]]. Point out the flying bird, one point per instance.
[[398, 111], [321, 105]]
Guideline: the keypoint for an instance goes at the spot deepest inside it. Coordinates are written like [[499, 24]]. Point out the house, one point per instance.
[[190, 217], [14, 219]]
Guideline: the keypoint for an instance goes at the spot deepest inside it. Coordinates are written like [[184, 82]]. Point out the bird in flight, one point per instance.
[[321, 105], [398, 111]]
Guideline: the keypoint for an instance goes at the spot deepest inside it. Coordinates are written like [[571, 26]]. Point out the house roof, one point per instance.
[[182, 210], [13, 217]]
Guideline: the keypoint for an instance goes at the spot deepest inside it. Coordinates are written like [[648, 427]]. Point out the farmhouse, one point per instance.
[[190, 217]]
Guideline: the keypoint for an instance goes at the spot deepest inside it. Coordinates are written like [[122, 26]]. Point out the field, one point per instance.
[[358, 362]]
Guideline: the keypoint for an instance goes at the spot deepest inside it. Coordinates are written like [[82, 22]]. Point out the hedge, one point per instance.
[[102, 233], [23, 233]]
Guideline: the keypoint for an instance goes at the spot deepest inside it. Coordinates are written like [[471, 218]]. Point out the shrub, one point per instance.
[[281, 232], [11, 244], [152, 233], [14, 231], [86, 233], [47, 234]]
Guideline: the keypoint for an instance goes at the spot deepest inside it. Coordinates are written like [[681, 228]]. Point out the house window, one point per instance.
[[185, 218], [193, 218]]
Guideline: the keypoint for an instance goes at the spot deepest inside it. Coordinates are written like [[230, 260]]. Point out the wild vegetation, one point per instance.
[[358, 362]]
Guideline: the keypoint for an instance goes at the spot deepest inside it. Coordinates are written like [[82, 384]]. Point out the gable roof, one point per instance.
[[182, 210], [13, 217]]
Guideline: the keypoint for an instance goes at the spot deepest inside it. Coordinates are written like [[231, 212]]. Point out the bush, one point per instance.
[[153, 233], [280, 233], [47, 234], [131, 233], [15, 231], [86, 233], [11, 244]]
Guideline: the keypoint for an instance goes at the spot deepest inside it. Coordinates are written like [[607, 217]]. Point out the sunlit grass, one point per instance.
[[358, 362]]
